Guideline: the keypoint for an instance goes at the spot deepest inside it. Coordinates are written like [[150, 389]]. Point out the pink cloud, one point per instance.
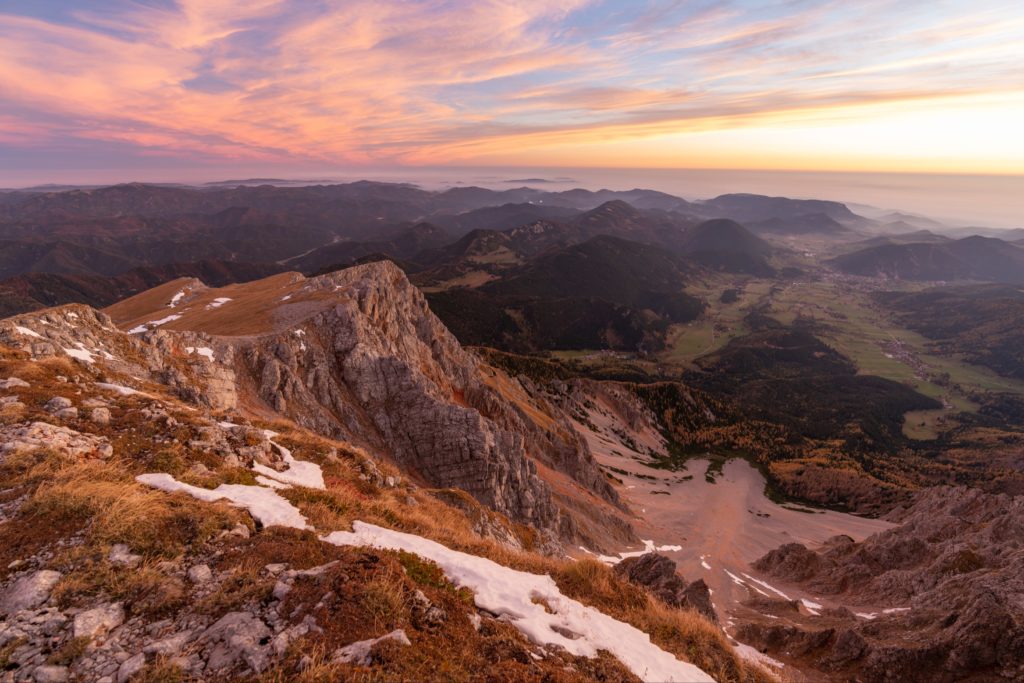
[[436, 80]]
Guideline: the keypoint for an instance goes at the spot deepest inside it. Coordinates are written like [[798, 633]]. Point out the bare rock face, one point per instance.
[[956, 568], [90, 337], [658, 574], [379, 368]]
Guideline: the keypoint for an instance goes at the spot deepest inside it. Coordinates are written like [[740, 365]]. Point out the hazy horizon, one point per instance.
[[958, 200]]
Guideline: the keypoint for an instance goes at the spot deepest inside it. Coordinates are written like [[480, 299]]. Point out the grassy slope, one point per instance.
[[99, 503]]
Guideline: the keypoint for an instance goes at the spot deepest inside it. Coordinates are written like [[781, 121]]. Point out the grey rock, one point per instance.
[[57, 403], [29, 592], [98, 621], [200, 573], [130, 668], [382, 369], [953, 570], [50, 674], [168, 647], [121, 554], [281, 589], [13, 383], [30, 436], [100, 416], [658, 574], [361, 652], [236, 638]]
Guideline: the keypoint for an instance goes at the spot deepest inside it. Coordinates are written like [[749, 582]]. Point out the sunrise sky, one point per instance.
[[270, 85]]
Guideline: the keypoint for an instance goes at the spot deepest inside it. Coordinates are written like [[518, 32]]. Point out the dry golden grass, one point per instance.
[[119, 510], [247, 585], [102, 502]]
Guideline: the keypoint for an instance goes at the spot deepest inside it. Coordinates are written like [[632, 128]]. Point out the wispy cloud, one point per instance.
[[360, 81]]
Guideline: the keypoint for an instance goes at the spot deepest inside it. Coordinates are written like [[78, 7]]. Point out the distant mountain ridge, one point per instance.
[[971, 258]]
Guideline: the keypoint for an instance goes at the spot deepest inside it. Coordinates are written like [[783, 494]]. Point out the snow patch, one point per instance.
[[265, 505], [298, 472], [894, 610], [649, 547], [768, 586], [812, 607], [81, 353], [176, 298], [270, 483], [27, 332], [139, 329], [752, 655], [164, 320], [740, 582], [514, 596], [218, 302], [123, 390], [204, 351]]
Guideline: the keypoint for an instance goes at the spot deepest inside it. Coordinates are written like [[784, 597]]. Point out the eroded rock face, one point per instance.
[[356, 355], [956, 568], [379, 368]]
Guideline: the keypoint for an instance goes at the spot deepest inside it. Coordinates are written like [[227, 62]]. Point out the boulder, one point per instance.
[[200, 573], [658, 574], [237, 638], [57, 403], [29, 592], [120, 554], [130, 667], [50, 674], [98, 621]]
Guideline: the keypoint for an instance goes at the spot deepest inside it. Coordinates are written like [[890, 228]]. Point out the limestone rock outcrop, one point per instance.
[[377, 367], [953, 570]]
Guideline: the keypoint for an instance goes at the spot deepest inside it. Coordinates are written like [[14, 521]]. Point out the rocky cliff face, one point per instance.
[[354, 355], [377, 367], [950, 578]]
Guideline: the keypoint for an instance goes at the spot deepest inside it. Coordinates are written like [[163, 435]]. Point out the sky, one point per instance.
[[117, 88]]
